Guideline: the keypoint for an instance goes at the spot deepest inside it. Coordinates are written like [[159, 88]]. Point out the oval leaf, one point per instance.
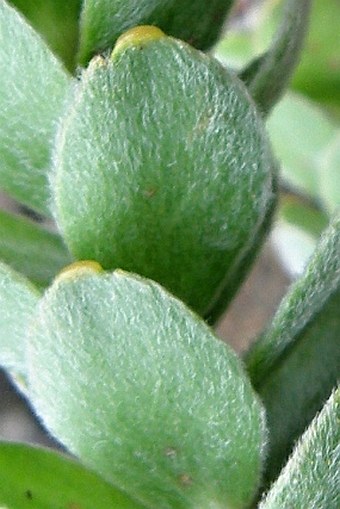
[[295, 364], [138, 387], [33, 86], [37, 478], [198, 22], [149, 180], [311, 476]]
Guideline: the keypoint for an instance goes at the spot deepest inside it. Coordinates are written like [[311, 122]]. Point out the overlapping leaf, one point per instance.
[[33, 86], [152, 400], [311, 476], [296, 362]]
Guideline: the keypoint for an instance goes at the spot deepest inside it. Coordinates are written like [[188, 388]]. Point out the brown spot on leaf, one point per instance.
[[185, 480]]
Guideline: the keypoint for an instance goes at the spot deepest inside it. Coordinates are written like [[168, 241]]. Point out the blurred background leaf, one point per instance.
[[304, 127]]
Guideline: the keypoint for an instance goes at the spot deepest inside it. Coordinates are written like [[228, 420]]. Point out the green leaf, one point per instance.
[[154, 182], [268, 76], [18, 300], [140, 389], [37, 478], [311, 476], [57, 22], [296, 362], [31, 249], [302, 136], [198, 22], [33, 86], [318, 74]]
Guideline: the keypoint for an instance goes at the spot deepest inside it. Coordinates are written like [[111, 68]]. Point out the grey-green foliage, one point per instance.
[[18, 299], [311, 478], [198, 22], [152, 400], [31, 249], [295, 363], [148, 181], [33, 87]]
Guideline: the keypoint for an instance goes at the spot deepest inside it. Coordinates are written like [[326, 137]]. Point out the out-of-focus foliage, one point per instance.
[[304, 126]]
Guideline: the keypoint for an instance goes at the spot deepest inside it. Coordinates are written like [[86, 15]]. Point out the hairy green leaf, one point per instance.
[[163, 167], [267, 77], [31, 249], [31, 477], [311, 477], [57, 22], [296, 362], [33, 86], [198, 22], [158, 405], [18, 299]]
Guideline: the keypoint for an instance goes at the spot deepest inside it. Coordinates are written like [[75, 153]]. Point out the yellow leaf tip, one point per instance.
[[79, 268], [137, 36]]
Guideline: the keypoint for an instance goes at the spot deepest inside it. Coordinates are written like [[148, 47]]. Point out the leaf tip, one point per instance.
[[137, 36], [77, 269]]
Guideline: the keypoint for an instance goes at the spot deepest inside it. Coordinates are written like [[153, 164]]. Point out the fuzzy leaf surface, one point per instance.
[[159, 406], [31, 249], [311, 476], [163, 169], [32, 477], [33, 86], [18, 299], [295, 364], [57, 22], [267, 77], [198, 22]]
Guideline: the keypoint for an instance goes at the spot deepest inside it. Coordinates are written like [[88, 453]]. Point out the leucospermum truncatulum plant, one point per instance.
[[153, 161]]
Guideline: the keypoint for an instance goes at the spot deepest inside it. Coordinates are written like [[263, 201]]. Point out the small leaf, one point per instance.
[[57, 22], [18, 300], [296, 362], [33, 86], [198, 22], [267, 77], [31, 249], [158, 405], [149, 180], [40, 479], [311, 476]]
